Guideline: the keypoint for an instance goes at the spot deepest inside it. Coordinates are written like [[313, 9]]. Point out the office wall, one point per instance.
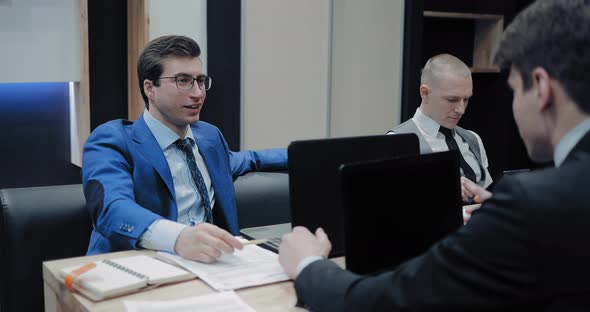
[[366, 66], [319, 68], [180, 17], [285, 62], [40, 41]]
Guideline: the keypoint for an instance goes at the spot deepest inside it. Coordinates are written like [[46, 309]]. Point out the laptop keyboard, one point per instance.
[[275, 242]]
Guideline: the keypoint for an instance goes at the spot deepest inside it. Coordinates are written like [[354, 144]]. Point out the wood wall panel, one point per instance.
[[138, 26], [83, 107]]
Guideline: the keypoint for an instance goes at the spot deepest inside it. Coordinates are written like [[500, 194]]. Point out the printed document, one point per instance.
[[251, 266], [216, 302]]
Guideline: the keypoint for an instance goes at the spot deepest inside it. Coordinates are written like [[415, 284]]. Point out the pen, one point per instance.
[[255, 242]]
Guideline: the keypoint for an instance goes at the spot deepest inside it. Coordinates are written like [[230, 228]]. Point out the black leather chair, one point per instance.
[[262, 198], [38, 224], [45, 223]]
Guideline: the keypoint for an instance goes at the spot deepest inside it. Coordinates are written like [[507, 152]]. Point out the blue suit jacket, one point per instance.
[[128, 184]]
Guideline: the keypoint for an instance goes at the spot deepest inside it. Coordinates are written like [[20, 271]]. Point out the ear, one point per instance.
[[542, 82], [424, 91], [148, 88]]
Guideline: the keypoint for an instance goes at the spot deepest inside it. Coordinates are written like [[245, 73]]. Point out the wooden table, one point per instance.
[[273, 297]]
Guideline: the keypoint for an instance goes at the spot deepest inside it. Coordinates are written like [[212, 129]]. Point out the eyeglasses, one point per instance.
[[186, 82]]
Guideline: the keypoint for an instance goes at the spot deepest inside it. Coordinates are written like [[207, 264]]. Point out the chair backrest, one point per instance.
[[262, 198], [45, 223], [38, 224]]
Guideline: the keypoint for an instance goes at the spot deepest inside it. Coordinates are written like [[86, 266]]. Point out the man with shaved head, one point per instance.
[[526, 248], [445, 89]]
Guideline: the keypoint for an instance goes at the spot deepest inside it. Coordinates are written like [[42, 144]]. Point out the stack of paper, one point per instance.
[[251, 266], [217, 302]]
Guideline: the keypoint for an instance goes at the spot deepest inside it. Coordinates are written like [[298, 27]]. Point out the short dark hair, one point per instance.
[[554, 35], [149, 64]]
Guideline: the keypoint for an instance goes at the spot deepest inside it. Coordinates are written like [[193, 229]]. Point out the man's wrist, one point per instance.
[[305, 262], [161, 235]]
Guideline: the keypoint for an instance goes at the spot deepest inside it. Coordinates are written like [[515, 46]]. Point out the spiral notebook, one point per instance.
[[114, 277]]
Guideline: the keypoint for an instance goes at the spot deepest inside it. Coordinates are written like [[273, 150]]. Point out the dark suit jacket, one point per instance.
[[526, 248], [128, 184]]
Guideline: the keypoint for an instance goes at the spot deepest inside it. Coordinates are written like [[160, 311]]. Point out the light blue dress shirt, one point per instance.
[[162, 234]]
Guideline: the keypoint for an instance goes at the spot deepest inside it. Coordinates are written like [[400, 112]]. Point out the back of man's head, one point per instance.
[[149, 64], [439, 66], [554, 35]]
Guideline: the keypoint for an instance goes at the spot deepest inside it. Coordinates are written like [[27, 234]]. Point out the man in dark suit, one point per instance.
[[165, 181], [526, 248]]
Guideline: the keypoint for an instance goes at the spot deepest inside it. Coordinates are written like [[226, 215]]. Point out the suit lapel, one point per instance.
[[146, 144], [211, 149]]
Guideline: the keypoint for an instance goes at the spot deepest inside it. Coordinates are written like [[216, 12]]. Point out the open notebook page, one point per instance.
[[157, 271], [113, 277], [104, 281]]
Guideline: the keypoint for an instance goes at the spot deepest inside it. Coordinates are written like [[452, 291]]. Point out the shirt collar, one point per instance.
[[164, 135], [427, 124], [569, 141]]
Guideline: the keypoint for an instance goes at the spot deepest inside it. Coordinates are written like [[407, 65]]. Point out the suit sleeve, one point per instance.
[[485, 264], [109, 188], [260, 160], [242, 162]]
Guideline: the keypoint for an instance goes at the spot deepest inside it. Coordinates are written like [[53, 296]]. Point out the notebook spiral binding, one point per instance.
[[124, 269]]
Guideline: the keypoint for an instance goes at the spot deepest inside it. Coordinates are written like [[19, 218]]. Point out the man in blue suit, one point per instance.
[[165, 181]]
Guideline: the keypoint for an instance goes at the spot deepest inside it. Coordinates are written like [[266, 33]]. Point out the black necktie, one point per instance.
[[186, 147], [452, 144]]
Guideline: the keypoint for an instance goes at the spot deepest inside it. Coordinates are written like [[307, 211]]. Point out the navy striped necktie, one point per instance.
[[186, 147], [452, 144]]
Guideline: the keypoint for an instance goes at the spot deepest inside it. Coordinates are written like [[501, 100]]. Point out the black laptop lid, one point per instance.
[[313, 177], [396, 209]]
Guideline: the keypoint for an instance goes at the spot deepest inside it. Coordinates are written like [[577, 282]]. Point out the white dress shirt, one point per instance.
[[162, 234], [436, 140], [569, 140]]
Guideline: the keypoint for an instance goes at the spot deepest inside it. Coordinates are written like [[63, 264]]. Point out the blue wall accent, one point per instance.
[[35, 135]]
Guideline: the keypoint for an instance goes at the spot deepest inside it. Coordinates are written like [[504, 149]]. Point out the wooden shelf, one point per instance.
[[493, 69], [462, 15], [488, 31]]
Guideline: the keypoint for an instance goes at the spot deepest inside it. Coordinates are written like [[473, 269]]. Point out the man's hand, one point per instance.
[[205, 242], [471, 191], [300, 244], [468, 210]]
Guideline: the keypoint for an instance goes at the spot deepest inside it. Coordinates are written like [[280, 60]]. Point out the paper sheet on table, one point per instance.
[[251, 266], [216, 302]]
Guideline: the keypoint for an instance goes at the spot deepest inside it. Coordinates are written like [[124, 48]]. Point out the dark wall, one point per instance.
[[35, 135], [490, 109], [107, 58], [222, 107]]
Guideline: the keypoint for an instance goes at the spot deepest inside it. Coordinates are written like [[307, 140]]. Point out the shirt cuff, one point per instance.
[[161, 235], [307, 261]]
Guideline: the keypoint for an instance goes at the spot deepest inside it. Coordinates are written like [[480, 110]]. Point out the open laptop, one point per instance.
[[396, 209], [313, 182]]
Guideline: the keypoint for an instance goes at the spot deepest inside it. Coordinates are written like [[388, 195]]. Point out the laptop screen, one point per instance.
[[396, 209], [313, 177]]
